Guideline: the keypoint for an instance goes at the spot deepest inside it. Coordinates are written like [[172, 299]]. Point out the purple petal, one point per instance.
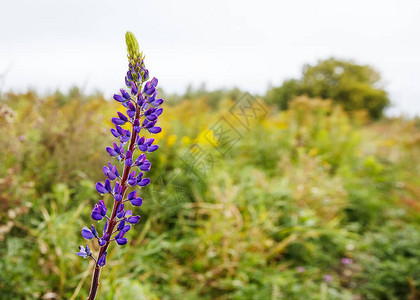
[[132, 195], [122, 116], [153, 148], [121, 241], [108, 185], [119, 98], [100, 188], [144, 182], [102, 260], [87, 234], [136, 202], [111, 151], [125, 94], [151, 117], [96, 213], [118, 121], [134, 89], [115, 133], [159, 111], [133, 219], [155, 130]]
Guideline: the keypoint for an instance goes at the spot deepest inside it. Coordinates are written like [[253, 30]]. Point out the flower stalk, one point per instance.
[[142, 113]]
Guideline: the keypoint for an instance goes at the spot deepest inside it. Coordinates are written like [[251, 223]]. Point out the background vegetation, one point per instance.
[[314, 202]]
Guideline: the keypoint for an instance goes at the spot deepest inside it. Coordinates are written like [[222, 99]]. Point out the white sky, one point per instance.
[[248, 44]]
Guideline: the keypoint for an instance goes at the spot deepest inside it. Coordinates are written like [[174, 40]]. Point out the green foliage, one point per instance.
[[355, 87], [301, 190]]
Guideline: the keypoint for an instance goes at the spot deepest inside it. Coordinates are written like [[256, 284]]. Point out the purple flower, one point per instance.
[[125, 94], [132, 179], [87, 234], [104, 189], [143, 163], [119, 98], [121, 225], [131, 111], [128, 159], [136, 201], [134, 89], [133, 219], [327, 278], [120, 239], [136, 125], [120, 211], [84, 252], [111, 171], [99, 211], [102, 260], [141, 111], [150, 87], [146, 145]]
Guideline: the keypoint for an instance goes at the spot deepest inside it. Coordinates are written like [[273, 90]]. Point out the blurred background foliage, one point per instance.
[[319, 199]]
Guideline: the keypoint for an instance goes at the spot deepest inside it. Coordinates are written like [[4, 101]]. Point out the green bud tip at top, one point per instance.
[[132, 46]]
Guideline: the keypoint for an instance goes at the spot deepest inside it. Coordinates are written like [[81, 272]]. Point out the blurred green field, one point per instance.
[[269, 216]]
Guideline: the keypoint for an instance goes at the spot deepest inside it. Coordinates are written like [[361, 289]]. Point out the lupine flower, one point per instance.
[[87, 234], [84, 252], [141, 110]]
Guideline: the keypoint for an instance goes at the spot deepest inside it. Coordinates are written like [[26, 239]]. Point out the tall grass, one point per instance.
[[301, 190]]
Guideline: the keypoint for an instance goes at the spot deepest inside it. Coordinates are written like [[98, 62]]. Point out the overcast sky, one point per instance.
[[248, 44]]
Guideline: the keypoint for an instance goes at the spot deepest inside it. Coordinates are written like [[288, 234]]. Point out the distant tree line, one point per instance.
[[353, 86]]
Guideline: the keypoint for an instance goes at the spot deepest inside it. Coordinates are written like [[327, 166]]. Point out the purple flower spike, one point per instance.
[[87, 234], [102, 260], [141, 110]]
